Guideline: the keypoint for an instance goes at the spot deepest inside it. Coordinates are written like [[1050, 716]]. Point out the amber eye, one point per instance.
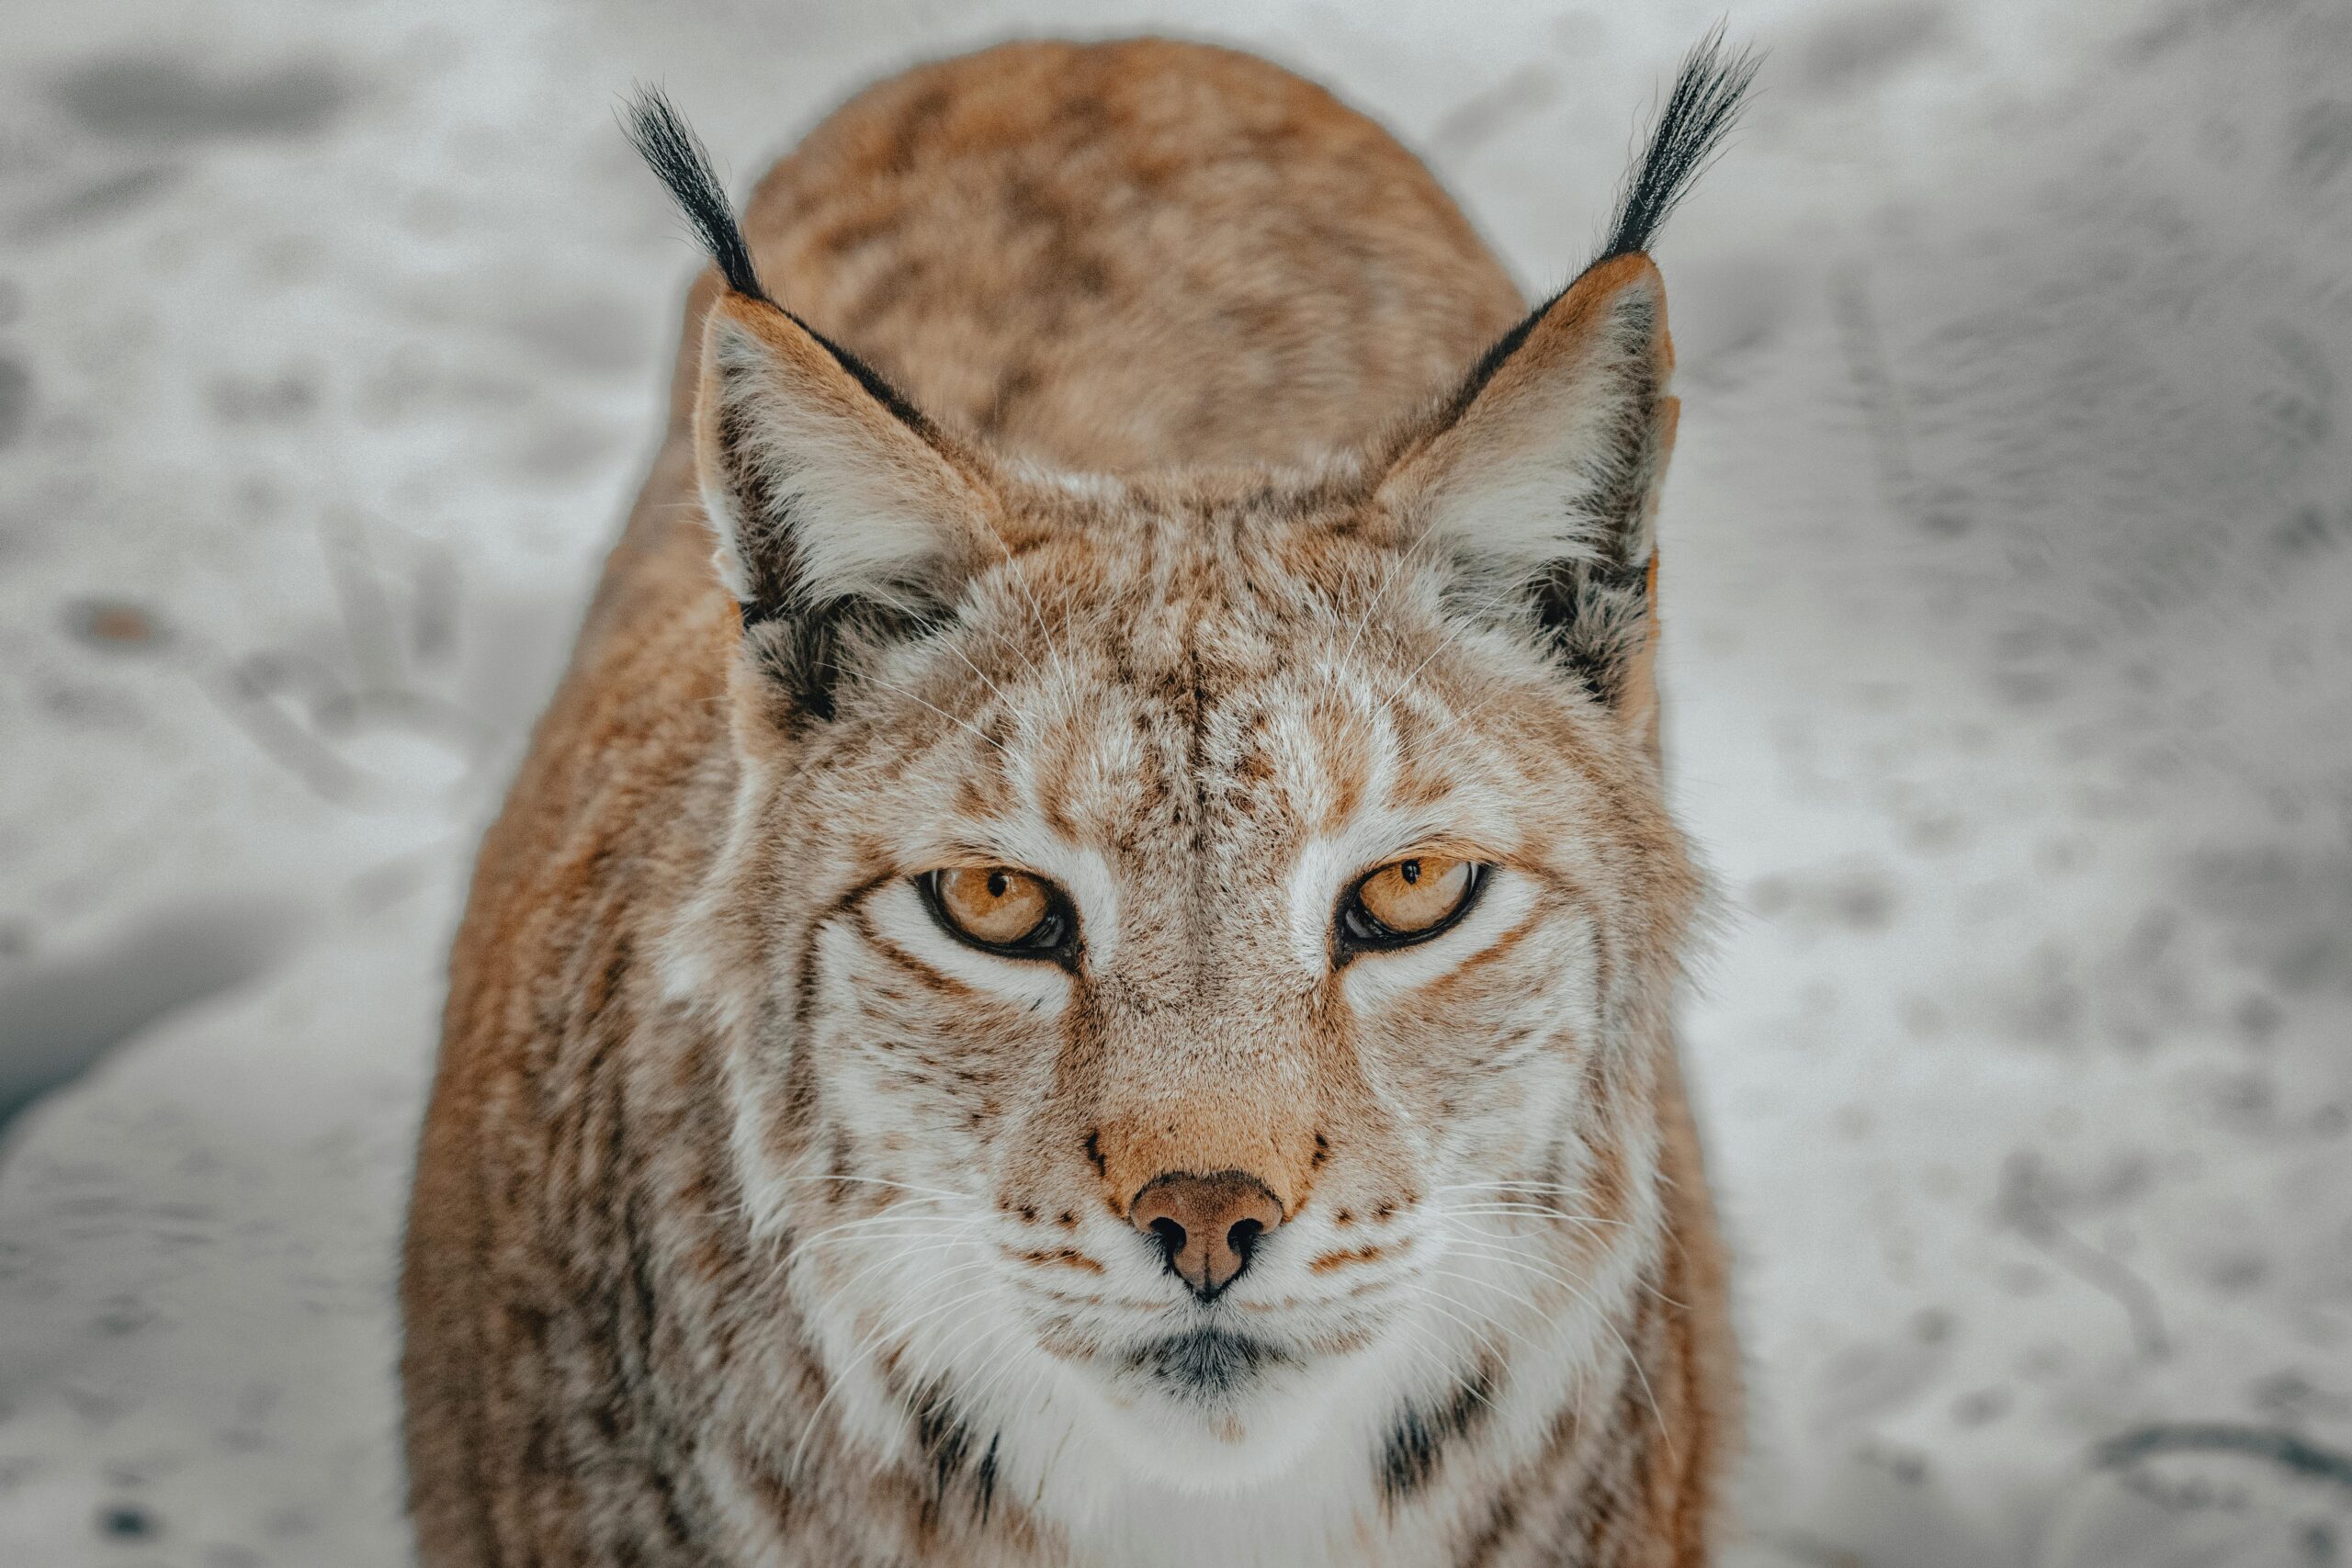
[[998, 907], [1407, 901]]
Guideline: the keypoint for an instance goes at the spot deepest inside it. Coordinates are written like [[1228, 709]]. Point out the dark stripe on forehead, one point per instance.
[[1343, 757], [1421, 778], [1055, 762]]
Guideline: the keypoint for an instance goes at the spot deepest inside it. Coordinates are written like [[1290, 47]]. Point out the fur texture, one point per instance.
[[759, 1220]]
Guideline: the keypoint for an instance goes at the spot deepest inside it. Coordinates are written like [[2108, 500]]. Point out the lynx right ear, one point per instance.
[[842, 515]]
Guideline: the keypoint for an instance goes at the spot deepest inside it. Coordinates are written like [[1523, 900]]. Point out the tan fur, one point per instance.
[[1186, 326]]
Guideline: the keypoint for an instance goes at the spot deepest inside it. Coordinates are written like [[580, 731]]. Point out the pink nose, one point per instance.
[[1207, 1226]]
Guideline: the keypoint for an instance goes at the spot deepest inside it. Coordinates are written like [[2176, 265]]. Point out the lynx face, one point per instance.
[[1184, 944]]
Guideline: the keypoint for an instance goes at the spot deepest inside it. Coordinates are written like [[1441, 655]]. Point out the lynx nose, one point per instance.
[[1207, 1226]]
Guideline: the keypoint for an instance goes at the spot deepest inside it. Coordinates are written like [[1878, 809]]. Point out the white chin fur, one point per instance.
[[1217, 1449]]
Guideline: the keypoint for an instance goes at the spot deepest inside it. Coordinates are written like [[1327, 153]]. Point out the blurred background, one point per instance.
[[2007, 574]]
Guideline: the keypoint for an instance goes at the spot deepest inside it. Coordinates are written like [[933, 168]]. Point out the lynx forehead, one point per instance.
[[1080, 970]]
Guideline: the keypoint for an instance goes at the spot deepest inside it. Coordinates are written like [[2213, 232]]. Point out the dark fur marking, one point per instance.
[[644, 1298], [675, 1529], [947, 1439], [800, 1078], [1206, 1364], [984, 1478], [943, 1438], [1420, 1439], [814, 647], [805, 979], [1594, 617], [801, 650], [797, 640], [937, 981], [1502, 1520], [876, 383], [1493, 360], [793, 642]]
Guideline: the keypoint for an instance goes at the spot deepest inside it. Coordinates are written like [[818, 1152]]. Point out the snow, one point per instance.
[[2010, 620]]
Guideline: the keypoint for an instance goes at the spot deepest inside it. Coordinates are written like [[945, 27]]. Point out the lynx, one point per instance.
[[1097, 990]]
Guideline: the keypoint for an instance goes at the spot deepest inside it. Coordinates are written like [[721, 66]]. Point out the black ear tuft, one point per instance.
[[670, 146], [1708, 92]]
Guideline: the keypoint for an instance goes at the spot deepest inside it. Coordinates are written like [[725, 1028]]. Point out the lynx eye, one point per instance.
[[1407, 901], [1000, 908]]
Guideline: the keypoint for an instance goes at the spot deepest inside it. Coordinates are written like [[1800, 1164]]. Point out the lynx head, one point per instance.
[[1193, 948]]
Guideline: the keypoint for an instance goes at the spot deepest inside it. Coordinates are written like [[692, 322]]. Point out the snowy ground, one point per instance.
[[2009, 568]]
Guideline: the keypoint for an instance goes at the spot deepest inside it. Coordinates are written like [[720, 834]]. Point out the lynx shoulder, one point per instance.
[[1080, 970]]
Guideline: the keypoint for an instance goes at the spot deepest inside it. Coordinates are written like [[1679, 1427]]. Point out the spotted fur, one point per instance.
[[760, 1220]]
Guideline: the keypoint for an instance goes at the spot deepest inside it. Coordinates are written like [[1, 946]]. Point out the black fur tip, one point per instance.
[[1708, 92], [672, 150]]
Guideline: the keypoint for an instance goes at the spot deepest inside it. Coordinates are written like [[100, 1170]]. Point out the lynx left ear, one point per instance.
[[1539, 478]]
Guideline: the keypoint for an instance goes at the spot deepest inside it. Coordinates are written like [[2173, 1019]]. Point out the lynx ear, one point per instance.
[[1540, 480], [1539, 477], [842, 515]]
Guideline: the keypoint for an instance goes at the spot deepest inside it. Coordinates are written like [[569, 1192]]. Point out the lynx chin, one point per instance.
[[1080, 971]]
